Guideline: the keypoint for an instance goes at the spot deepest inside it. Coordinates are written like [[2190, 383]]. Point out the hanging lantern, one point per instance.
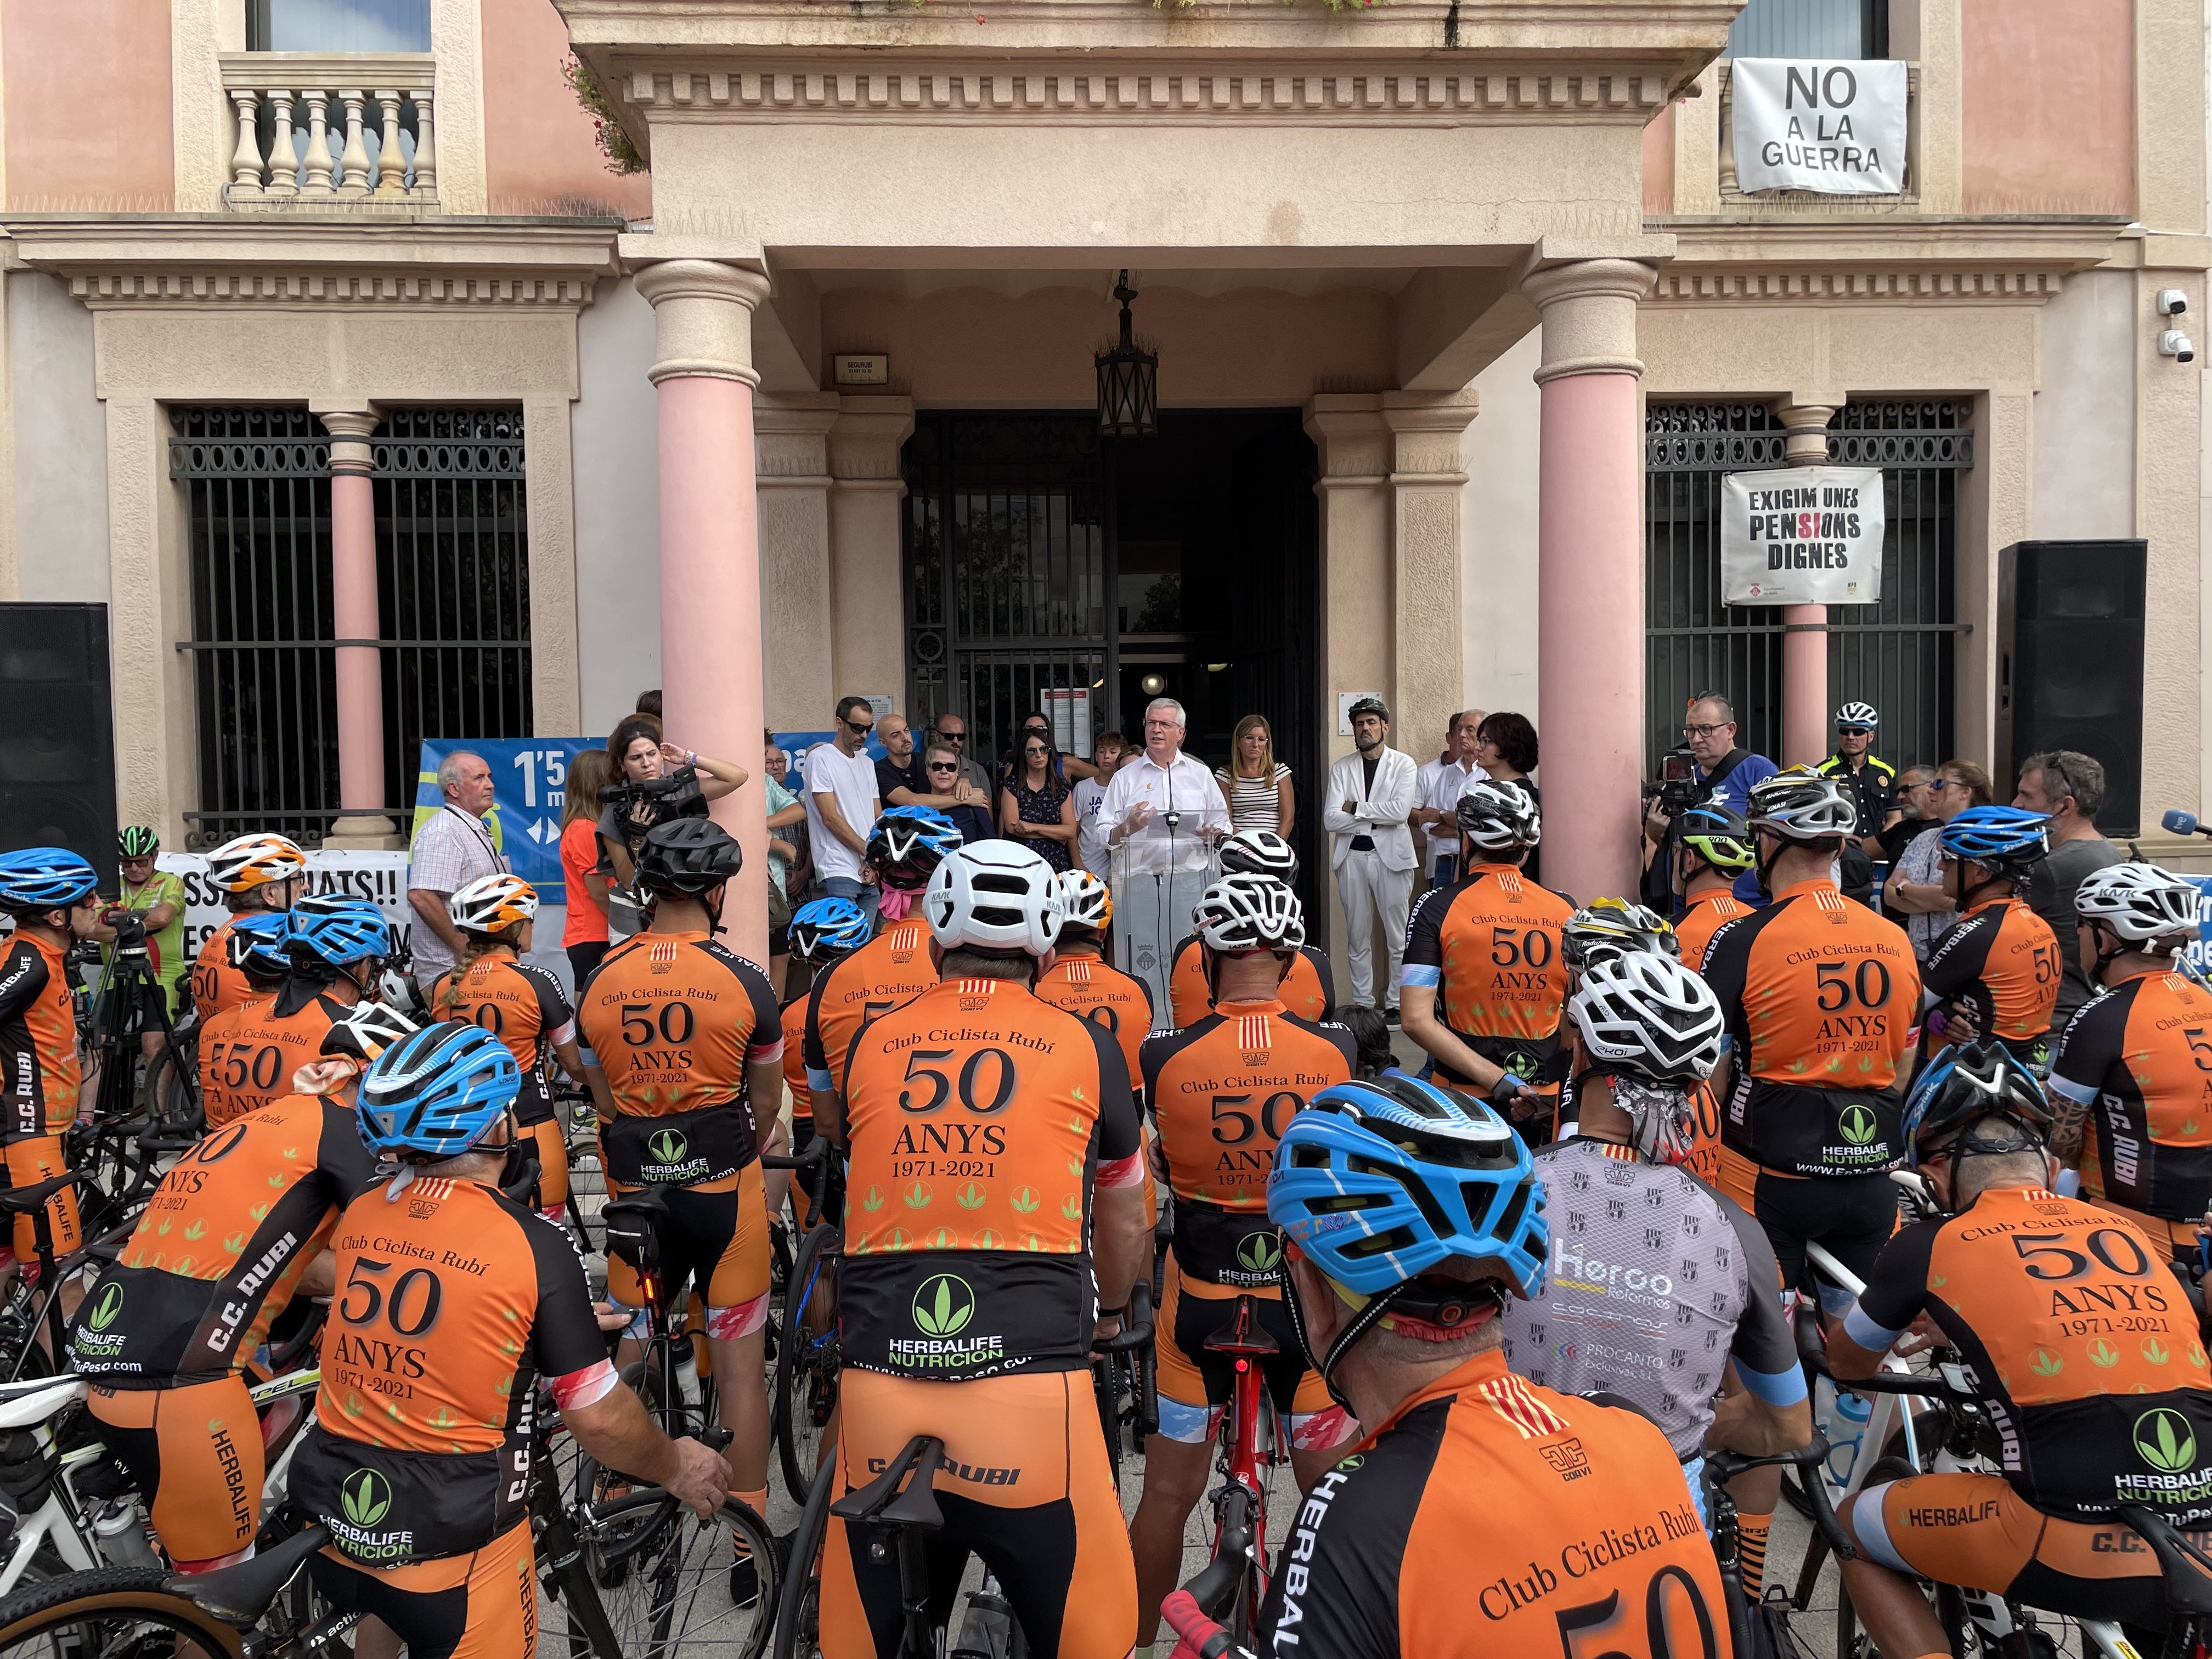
[[1128, 381]]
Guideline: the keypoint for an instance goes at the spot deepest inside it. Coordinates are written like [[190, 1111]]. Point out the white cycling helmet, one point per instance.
[[1645, 1015], [1498, 816], [491, 903], [995, 897], [1259, 853], [2140, 903], [1088, 900], [1861, 714], [1241, 914], [246, 862], [1802, 805], [367, 1029]]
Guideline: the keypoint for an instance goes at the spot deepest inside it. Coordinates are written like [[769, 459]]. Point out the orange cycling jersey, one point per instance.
[[675, 1019], [523, 1005], [1109, 999], [249, 1053], [1490, 945], [222, 1241], [980, 1120], [1705, 915], [2081, 1335], [1490, 1515], [453, 1300], [216, 983], [794, 1060], [1222, 1091], [2140, 1058], [890, 969], [1308, 988], [2001, 964], [1820, 996], [37, 1039]]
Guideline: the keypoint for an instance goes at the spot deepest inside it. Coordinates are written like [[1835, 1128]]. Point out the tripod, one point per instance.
[[125, 999]]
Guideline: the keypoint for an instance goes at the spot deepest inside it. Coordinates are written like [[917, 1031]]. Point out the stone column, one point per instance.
[[710, 586], [867, 629], [1589, 540], [791, 433], [356, 625], [1425, 479], [1804, 627]]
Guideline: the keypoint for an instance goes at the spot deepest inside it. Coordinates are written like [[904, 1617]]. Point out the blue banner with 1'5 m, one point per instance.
[[530, 781]]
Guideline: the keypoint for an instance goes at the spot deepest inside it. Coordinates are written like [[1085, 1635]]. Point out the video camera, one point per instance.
[[1678, 785], [129, 927], [664, 799]]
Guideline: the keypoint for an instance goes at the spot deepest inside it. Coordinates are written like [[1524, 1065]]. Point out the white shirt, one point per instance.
[[1185, 786], [1089, 834], [852, 780], [1438, 789], [1379, 813]]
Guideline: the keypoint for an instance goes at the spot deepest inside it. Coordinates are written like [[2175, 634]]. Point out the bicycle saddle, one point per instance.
[[880, 1503], [2188, 1571], [239, 1595], [34, 1402], [1242, 1334], [21, 1200]]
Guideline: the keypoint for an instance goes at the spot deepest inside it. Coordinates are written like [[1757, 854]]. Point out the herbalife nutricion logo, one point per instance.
[[944, 1305], [1259, 1253], [105, 1310], [366, 1497], [2165, 1441], [1857, 1125], [669, 1146]]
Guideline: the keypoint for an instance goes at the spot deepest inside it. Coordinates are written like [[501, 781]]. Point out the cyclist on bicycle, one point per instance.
[[1081, 980], [1712, 847], [453, 1302], [2133, 1063], [994, 1204], [1821, 996], [1221, 1092], [52, 897], [1309, 989], [248, 1052], [887, 973], [1996, 973], [1484, 986], [255, 872], [823, 934], [2077, 1332], [521, 1004], [237, 1229], [1482, 1514]]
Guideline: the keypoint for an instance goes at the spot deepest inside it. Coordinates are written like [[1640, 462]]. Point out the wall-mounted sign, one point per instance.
[[1838, 127], [861, 368], [1805, 535]]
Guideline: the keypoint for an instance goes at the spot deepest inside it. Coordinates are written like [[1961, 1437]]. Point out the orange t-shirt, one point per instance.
[[580, 852], [1706, 913]]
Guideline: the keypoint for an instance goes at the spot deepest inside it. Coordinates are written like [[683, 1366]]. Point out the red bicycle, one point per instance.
[[1234, 1584]]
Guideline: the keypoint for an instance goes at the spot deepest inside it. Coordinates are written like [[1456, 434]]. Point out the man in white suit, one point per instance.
[[1370, 795]]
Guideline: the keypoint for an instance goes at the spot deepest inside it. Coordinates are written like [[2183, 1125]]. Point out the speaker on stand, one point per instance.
[[57, 733], [2070, 664]]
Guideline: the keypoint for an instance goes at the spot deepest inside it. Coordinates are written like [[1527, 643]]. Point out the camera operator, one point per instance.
[[1719, 771], [654, 782], [146, 926]]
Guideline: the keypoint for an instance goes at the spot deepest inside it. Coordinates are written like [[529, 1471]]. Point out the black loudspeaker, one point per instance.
[[57, 732], [2070, 664]]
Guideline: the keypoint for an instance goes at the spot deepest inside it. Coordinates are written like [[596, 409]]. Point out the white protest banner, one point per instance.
[[1804, 535], [1810, 123]]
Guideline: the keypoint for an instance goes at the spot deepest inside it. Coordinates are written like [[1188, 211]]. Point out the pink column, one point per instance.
[[1589, 538], [1805, 627], [357, 625], [710, 602]]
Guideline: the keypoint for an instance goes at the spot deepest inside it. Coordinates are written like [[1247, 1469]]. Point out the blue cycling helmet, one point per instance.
[[339, 932], [1962, 1086], [908, 843], [44, 878], [435, 1092], [258, 941], [829, 930], [2005, 840]]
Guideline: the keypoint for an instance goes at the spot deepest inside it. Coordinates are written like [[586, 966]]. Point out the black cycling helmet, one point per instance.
[[1369, 705], [689, 857], [1966, 1088]]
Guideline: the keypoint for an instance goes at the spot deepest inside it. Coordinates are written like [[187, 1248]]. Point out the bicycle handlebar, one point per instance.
[[1725, 1465], [814, 1162], [1196, 1633], [1136, 1330]]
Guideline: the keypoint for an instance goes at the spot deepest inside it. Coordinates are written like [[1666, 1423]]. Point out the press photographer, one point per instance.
[[1719, 770], [656, 782]]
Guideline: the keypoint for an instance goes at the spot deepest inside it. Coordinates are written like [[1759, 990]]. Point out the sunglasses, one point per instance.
[[953, 737], [1855, 731], [943, 766], [861, 726]]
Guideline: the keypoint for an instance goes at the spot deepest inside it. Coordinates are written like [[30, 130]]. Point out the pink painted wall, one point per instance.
[[1659, 163], [2049, 116], [88, 105], [539, 148]]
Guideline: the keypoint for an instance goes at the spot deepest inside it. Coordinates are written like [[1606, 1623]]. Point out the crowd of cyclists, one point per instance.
[[1538, 1321]]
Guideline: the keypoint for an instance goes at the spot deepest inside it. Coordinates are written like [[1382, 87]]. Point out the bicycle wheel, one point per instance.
[[804, 1390], [798, 1610], [113, 1613], [676, 1596]]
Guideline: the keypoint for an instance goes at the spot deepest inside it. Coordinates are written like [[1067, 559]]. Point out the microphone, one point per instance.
[[2178, 822]]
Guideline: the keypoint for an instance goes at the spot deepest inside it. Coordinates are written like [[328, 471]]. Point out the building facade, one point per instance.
[[375, 407]]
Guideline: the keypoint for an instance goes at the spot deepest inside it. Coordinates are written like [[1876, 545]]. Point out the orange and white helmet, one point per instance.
[[492, 903], [251, 861], [1090, 901]]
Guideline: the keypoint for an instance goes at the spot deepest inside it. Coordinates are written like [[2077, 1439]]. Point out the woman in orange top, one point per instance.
[[521, 1005], [584, 935]]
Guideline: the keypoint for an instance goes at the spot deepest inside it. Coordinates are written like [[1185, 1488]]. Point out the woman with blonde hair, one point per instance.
[[1256, 786]]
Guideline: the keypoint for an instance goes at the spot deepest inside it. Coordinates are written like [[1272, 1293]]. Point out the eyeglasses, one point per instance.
[[1706, 731], [953, 737], [1855, 730], [862, 727], [1941, 784], [943, 766]]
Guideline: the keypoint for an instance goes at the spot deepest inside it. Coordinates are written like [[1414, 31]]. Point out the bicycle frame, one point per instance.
[[1241, 1503]]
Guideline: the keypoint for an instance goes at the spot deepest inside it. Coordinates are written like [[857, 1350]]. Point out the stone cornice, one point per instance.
[[1678, 286], [1211, 92], [1916, 261], [294, 289]]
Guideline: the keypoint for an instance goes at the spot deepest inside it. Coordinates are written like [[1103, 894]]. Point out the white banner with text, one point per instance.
[[1805, 535], [1808, 124]]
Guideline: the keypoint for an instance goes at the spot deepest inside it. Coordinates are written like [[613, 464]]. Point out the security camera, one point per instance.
[[2172, 302], [2174, 344]]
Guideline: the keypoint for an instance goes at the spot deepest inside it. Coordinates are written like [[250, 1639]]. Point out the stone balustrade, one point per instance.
[[323, 129]]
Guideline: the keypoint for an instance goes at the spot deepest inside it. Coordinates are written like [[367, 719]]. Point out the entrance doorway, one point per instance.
[[1046, 570]]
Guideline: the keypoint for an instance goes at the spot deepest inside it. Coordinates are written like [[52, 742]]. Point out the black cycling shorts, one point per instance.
[[1851, 1217]]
